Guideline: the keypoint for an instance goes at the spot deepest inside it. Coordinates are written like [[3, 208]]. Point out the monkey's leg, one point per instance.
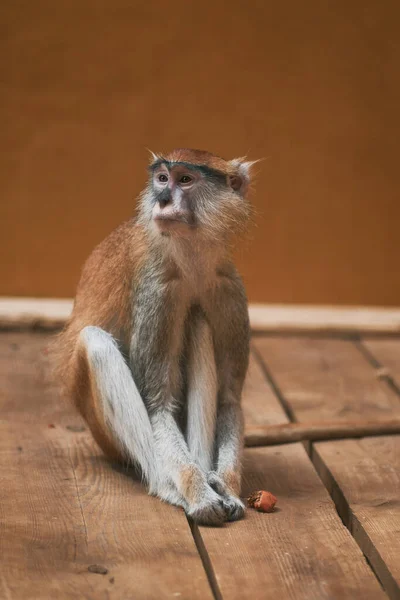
[[117, 401], [201, 395]]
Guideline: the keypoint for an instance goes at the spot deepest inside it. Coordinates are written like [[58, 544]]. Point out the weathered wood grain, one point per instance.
[[363, 477], [387, 353], [260, 404], [328, 380], [63, 507], [325, 379], [301, 551]]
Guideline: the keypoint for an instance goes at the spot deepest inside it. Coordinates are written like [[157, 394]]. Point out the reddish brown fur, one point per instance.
[[232, 481], [190, 484], [103, 299], [200, 157]]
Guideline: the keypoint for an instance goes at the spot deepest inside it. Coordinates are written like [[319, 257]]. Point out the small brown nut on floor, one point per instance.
[[262, 501]]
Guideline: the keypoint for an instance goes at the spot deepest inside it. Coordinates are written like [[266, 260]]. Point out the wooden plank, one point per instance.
[[317, 431], [267, 423], [301, 551], [326, 379], [363, 477], [64, 507], [34, 313], [327, 319], [50, 313], [260, 404], [387, 353], [332, 380]]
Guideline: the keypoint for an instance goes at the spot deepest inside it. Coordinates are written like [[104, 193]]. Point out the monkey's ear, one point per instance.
[[153, 155], [241, 180]]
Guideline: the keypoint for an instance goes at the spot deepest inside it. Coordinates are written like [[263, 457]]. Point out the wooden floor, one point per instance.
[[334, 535]]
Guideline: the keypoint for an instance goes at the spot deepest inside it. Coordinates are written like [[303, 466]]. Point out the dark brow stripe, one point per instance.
[[209, 172]]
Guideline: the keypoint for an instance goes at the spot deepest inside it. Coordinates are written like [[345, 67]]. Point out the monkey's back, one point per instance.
[[103, 299]]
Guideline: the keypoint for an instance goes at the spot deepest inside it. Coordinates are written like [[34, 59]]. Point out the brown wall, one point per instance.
[[311, 86]]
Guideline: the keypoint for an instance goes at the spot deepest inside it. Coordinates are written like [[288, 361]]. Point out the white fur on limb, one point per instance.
[[122, 405], [201, 396]]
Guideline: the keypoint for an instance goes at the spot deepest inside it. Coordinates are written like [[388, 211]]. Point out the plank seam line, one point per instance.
[[345, 512], [205, 559], [271, 380], [376, 364]]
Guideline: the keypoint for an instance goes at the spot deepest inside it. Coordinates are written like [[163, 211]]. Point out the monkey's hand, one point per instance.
[[232, 504]]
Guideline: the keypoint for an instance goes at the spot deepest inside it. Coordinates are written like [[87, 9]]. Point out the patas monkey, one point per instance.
[[156, 350]]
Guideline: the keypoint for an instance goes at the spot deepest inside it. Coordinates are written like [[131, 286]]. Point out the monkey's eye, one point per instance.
[[185, 179], [162, 178]]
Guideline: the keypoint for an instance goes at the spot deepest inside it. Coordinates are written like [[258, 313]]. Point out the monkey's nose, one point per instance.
[[164, 198]]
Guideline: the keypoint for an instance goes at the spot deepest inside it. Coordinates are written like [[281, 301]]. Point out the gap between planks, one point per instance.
[[205, 559]]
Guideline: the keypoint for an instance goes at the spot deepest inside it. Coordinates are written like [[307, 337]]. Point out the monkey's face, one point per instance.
[[183, 199]]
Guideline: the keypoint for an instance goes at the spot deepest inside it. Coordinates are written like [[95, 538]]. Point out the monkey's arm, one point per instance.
[[231, 340], [229, 442]]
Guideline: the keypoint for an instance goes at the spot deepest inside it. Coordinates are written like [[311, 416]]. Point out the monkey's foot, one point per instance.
[[168, 493], [233, 506], [209, 511]]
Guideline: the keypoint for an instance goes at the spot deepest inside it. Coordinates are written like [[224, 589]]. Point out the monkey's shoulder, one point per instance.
[[104, 292], [121, 251]]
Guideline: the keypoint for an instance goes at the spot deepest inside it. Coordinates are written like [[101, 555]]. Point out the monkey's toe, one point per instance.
[[234, 508], [215, 481]]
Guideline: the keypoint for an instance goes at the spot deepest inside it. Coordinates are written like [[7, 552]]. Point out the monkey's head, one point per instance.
[[193, 192]]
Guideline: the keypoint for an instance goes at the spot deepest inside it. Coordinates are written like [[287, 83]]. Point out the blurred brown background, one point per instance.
[[311, 86]]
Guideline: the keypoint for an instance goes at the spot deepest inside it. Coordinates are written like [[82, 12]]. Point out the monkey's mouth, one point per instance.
[[167, 219], [172, 219]]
